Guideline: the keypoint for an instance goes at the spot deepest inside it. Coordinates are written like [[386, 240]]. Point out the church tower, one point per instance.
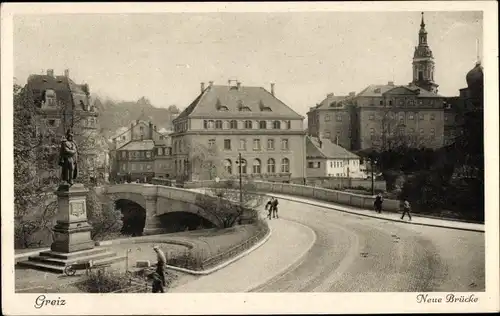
[[423, 62]]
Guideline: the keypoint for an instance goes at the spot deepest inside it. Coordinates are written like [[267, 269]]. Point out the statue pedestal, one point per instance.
[[72, 231]]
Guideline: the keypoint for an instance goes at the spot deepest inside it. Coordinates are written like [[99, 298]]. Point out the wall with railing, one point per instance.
[[322, 194]]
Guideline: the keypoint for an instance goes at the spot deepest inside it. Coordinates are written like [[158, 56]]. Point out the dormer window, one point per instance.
[[50, 97], [264, 108], [220, 107], [377, 90]]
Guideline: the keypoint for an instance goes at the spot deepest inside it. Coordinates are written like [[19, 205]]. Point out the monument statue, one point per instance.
[[68, 158]]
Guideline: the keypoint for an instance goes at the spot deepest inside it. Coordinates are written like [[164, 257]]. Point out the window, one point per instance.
[[411, 102], [124, 154], [248, 124], [162, 137], [381, 102], [433, 133], [288, 124], [412, 130], [433, 117], [124, 167], [271, 166], [160, 151], [327, 118], [401, 116], [327, 135], [446, 118], [284, 144], [233, 124], [262, 124], [148, 166], [256, 166], [421, 132], [339, 118], [133, 167], [310, 164], [411, 116], [52, 122], [285, 165], [276, 125], [390, 102], [227, 144], [123, 137], [218, 124], [243, 166], [270, 144], [372, 133], [211, 124], [256, 144], [228, 166], [148, 154], [371, 117], [331, 164], [141, 128], [211, 143], [205, 124], [421, 116]]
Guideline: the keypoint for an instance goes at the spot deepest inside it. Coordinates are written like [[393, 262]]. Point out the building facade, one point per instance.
[[326, 159], [386, 116], [225, 121], [141, 153], [63, 105]]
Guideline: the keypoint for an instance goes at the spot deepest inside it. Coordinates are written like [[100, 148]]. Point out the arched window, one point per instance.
[[243, 165], [285, 165], [50, 97], [233, 124], [256, 166], [210, 124], [228, 166], [271, 166], [218, 124], [248, 124], [276, 125], [262, 124]]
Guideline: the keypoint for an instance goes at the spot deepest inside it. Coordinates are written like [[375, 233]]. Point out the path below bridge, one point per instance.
[[356, 254]]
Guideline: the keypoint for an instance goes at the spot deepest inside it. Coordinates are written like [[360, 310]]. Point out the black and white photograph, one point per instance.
[[250, 158]]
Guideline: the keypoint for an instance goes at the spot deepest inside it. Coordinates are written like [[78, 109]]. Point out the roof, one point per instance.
[[379, 90], [216, 97], [328, 150], [147, 144], [330, 98]]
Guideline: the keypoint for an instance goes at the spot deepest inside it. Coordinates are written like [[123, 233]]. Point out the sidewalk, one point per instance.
[[287, 245], [396, 217]]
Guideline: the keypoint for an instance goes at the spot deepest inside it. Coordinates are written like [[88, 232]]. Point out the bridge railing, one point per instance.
[[322, 194]]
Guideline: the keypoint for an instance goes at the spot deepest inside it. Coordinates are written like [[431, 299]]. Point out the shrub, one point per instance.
[[104, 282], [192, 260]]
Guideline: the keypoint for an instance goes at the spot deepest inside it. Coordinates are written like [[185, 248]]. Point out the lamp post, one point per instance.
[[239, 163], [372, 160]]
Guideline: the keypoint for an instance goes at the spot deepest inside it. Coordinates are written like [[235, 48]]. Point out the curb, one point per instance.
[[291, 266], [340, 208], [145, 240], [226, 263]]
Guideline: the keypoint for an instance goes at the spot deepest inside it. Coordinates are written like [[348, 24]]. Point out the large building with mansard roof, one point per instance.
[[227, 120], [383, 116]]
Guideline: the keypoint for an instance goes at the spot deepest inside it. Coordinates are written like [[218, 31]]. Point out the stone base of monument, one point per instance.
[[72, 235], [53, 261]]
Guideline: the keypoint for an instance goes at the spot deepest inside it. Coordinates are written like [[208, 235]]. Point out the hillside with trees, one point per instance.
[[115, 114]]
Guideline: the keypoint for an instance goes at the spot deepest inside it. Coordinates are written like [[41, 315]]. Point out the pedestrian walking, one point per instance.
[[378, 203], [406, 209], [275, 208], [269, 207], [160, 265]]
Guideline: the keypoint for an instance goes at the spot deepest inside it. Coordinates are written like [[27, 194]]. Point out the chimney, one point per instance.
[[272, 88], [210, 83], [151, 127], [202, 86], [50, 72], [337, 140], [390, 83], [320, 142], [66, 73], [352, 93]]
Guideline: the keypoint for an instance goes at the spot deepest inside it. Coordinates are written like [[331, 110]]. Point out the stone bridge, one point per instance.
[[158, 200]]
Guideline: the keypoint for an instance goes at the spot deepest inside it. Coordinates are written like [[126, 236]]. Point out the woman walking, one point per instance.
[[406, 209], [275, 208], [378, 203], [269, 207]]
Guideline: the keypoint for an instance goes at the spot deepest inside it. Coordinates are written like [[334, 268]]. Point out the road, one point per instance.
[[361, 254]]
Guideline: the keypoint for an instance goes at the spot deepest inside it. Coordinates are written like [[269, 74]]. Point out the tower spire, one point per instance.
[[478, 60], [422, 24]]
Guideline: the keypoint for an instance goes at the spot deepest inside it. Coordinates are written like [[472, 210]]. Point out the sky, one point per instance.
[[165, 56]]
